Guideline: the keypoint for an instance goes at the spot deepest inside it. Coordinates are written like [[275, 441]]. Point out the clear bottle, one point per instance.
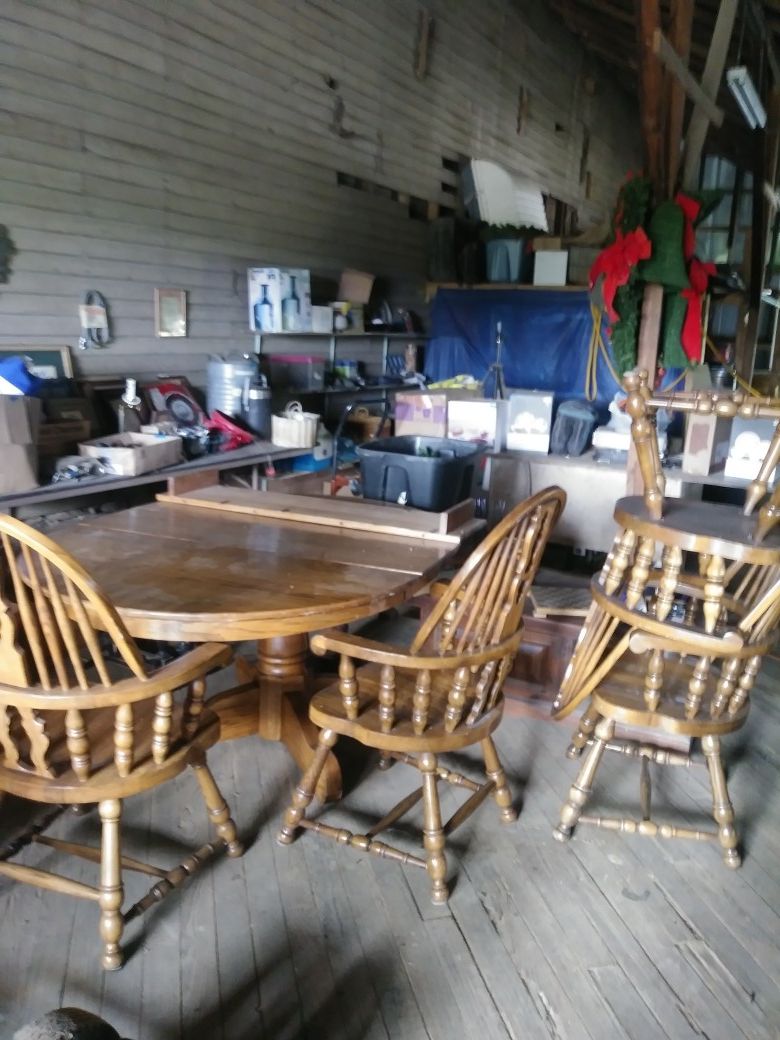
[[291, 309], [264, 313]]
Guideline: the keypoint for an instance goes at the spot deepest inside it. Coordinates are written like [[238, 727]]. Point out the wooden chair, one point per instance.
[[72, 734], [684, 611], [442, 694]]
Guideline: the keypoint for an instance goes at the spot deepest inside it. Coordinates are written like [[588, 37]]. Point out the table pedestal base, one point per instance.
[[272, 701]]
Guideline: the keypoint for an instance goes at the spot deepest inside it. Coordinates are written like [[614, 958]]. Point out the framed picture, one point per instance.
[[46, 362], [170, 312]]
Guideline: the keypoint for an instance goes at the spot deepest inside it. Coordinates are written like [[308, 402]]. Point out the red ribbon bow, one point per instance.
[[699, 275], [615, 264]]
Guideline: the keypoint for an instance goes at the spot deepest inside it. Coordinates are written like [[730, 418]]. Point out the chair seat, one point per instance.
[[621, 697], [104, 781], [327, 712]]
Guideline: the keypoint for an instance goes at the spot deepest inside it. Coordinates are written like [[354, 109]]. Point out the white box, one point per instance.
[[478, 421], [279, 299], [550, 267], [750, 440], [707, 442], [321, 319], [529, 419], [128, 454]]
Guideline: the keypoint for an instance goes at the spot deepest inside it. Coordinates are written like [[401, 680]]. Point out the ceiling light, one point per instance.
[[741, 86]]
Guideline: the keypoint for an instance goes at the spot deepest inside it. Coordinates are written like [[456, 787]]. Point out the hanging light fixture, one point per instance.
[[746, 96]]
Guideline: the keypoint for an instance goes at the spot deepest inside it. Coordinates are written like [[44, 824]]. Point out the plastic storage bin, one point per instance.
[[431, 473]]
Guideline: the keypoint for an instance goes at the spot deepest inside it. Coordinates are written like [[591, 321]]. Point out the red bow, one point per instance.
[[615, 263], [691, 208], [699, 275]]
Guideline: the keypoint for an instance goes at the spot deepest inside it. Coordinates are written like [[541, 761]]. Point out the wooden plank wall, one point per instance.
[[146, 144]]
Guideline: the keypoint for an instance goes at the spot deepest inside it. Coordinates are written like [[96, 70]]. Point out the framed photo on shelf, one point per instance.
[[170, 312], [46, 362]]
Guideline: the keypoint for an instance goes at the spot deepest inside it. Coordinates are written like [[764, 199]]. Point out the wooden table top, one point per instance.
[[179, 573]]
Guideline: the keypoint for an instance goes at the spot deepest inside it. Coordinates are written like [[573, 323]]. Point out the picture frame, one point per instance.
[[170, 312], [55, 362]]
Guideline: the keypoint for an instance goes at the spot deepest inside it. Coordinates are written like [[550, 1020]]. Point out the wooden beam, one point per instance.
[[765, 38], [710, 82], [672, 61], [650, 90], [647, 359], [680, 28]]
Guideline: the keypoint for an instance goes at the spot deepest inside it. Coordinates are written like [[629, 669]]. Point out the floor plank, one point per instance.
[[605, 937]]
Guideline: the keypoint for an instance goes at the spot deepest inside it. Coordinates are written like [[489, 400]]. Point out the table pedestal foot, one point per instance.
[[272, 701]]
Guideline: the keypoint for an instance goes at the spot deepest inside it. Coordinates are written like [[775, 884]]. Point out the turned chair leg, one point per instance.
[[722, 809], [111, 891], [495, 772], [307, 785], [433, 832], [584, 732], [580, 790], [218, 811]]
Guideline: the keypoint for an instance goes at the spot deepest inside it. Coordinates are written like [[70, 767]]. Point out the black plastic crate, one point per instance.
[[431, 473]]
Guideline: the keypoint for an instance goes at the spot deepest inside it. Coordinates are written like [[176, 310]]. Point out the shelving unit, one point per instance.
[[333, 337], [379, 391]]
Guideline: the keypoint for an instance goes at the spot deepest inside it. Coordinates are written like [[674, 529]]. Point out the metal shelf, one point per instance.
[[299, 391]]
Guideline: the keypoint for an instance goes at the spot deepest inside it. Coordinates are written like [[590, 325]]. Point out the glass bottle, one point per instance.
[[264, 313], [291, 309]]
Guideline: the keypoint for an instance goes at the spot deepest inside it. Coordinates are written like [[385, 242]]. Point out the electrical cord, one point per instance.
[[91, 336]]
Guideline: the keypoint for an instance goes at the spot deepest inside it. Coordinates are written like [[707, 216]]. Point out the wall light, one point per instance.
[[746, 96]]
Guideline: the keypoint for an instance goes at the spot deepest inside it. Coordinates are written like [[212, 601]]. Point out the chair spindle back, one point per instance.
[[479, 616], [53, 667]]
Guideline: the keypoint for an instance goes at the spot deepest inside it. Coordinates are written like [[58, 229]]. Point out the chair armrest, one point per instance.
[[383, 653], [195, 664]]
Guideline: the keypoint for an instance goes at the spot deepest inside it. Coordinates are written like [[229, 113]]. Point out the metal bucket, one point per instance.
[[227, 382]]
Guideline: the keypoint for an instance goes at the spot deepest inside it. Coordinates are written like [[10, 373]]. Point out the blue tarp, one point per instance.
[[546, 336]]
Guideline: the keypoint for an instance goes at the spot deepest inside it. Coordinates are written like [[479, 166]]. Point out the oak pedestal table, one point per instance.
[[178, 573]]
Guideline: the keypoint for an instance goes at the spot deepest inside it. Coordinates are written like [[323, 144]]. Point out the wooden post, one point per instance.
[[646, 358], [648, 20]]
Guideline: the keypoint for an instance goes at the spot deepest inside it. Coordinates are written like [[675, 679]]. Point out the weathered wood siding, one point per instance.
[[174, 143]]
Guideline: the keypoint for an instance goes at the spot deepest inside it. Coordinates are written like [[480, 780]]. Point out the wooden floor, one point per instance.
[[606, 937]]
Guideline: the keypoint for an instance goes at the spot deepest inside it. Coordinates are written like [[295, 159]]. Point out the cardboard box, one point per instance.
[[479, 421], [355, 286], [529, 420], [550, 267], [56, 439], [19, 421], [706, 445], [423, 413], [130, 454], [279, 299]]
